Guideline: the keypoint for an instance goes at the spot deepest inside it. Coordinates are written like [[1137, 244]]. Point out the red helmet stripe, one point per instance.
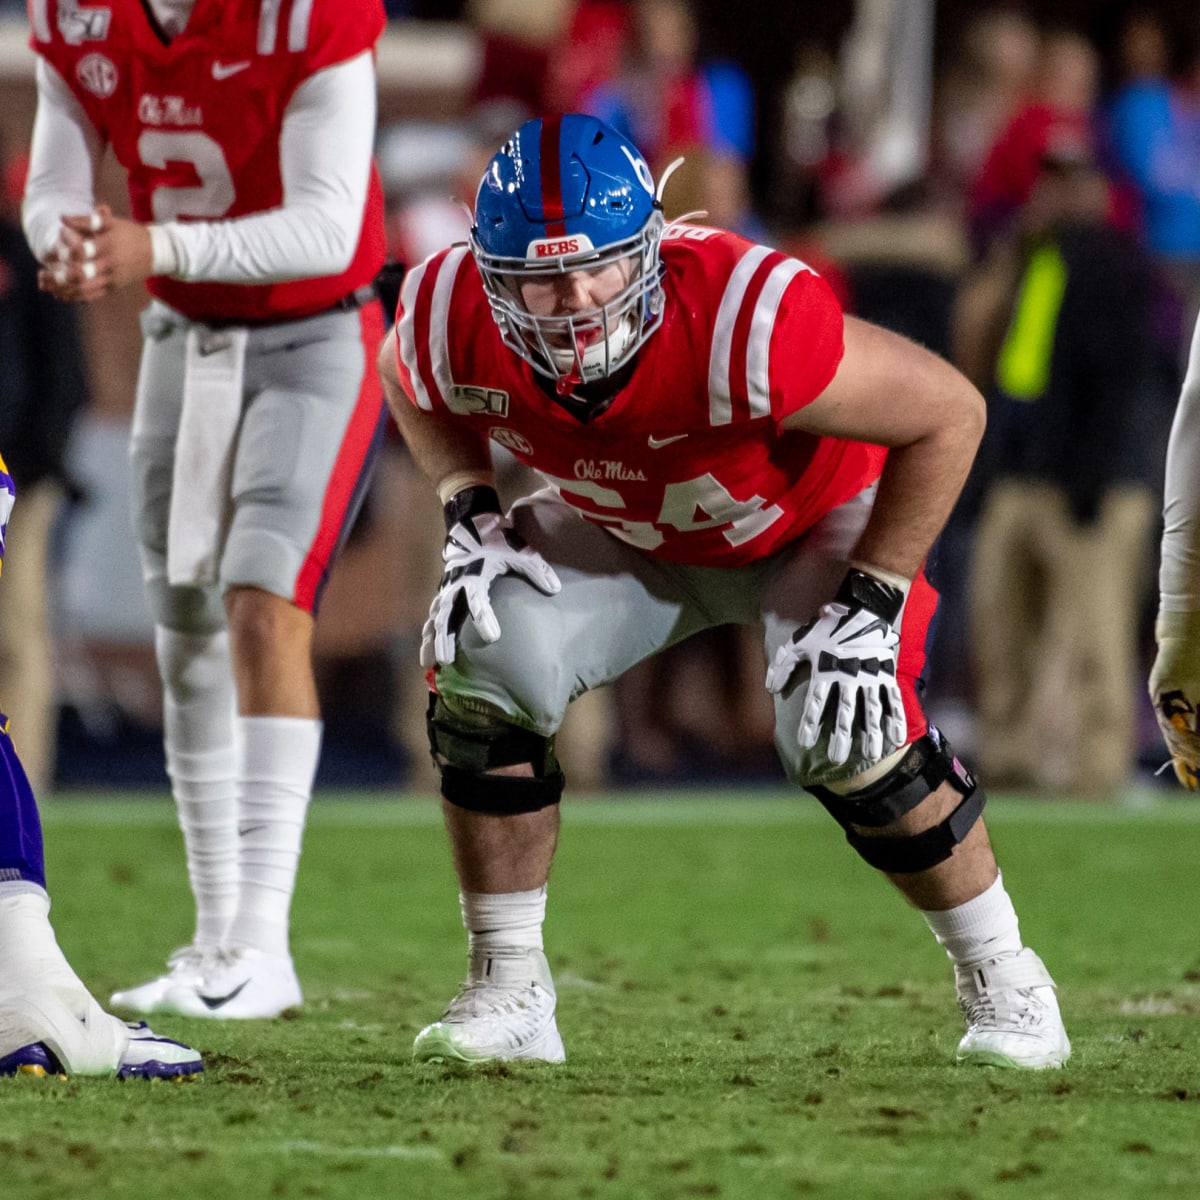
[[552, 203]]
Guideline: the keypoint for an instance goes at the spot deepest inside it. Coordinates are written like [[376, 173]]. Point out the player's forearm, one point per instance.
[[63, 153], [448, 459], [449, 456], [891, 392], [1179, 570], [917, 492], [296, 242]]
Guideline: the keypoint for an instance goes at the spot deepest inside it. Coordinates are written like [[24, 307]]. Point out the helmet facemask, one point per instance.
[[581, 347]]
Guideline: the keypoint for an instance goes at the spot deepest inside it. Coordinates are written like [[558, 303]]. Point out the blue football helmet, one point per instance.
[[570, 194]]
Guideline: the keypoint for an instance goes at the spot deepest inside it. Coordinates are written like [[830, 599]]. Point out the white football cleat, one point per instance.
[[186, 966], [1011, 1013], [148, 1055], [238, 984], [504, 1011], [46, 1032]]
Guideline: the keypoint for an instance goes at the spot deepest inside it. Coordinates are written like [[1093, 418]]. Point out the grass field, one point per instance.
[[748, 1012]]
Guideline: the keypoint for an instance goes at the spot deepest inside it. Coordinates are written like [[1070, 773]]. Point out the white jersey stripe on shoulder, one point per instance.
[[298, 25], [268, 26], [439, 319], [406, 338], [720, 407], [39, 16], [758, 348]]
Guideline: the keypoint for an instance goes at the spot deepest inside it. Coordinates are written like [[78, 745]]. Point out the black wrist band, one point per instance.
[[470, 502], [861, 590]]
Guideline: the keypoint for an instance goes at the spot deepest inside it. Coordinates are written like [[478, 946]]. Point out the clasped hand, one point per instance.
[[478, 549], [95, 254]]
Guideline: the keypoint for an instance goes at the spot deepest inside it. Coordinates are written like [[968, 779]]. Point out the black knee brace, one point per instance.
[[466, 747], [928, 764]]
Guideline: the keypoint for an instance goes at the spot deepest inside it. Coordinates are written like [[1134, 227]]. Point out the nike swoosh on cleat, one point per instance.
[[222, 70], [215, 1002], [658, 443]]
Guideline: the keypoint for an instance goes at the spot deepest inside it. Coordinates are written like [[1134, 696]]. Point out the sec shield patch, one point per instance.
[[98, 74], [510, 439]]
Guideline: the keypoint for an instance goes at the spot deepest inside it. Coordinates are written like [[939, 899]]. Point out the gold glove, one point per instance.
[[1175, 691]]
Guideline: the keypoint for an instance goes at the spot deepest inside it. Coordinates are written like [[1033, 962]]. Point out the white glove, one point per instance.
[[480, 545], [1175, 690], [850, 649]]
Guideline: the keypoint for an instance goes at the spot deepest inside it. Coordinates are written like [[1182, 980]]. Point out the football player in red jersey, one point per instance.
[[50, 1024], [721, 445], [246, 131]]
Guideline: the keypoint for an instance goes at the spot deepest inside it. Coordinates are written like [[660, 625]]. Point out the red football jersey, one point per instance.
[[196, 121], [689, 462]]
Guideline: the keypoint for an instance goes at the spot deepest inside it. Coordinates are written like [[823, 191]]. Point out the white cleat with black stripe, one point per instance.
[[186, 966], [239, 984]]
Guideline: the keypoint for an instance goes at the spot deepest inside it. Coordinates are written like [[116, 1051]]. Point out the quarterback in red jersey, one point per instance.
[[246, 130], [720, 445]]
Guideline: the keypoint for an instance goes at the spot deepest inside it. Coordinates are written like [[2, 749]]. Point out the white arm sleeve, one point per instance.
[[1179, 571], [325, 159], [63, 156]]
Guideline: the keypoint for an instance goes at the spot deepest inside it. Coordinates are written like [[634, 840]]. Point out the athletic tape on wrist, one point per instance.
[[470, 502], [861, 590]]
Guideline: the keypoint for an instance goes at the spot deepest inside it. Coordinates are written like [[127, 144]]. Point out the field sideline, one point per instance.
[[748, 1010], [672, 806]]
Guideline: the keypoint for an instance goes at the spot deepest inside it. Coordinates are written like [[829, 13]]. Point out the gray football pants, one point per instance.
[[312, 420], [619, 605]]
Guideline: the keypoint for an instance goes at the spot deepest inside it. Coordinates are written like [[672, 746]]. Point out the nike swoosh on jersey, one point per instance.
[[222, 70], [215, 1002], [659, 443]]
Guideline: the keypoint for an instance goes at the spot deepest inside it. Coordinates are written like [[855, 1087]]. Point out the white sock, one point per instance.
[[199, 709], [983, 928], [503, 921], [280, 762]]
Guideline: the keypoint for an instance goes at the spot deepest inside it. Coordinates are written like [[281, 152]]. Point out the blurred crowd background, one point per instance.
[[1016, 187]]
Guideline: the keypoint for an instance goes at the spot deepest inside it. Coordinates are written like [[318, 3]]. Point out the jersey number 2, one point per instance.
[[215, 195]]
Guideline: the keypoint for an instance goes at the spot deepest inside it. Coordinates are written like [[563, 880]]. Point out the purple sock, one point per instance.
[[21, 855]]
